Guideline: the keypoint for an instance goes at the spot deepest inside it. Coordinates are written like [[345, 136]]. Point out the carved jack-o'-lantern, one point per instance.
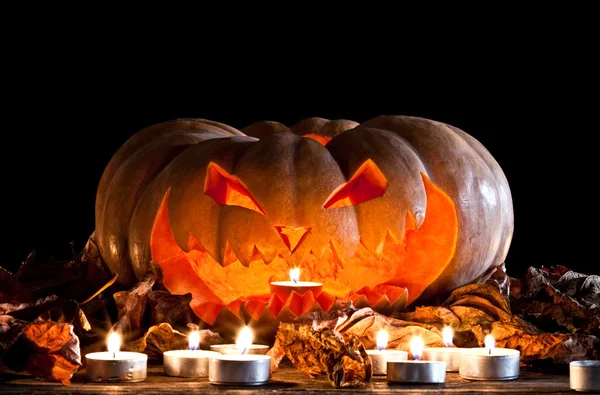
[[368, 210]]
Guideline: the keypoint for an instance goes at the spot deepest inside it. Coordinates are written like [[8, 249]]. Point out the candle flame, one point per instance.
[[447, 336], [489, 342], [382, 339], [295, 274], [194, 340], [244, 340], [416, 347], [113, 343]]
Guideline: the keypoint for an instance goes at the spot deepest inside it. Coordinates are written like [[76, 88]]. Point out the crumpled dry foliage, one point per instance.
[[76, 278], [143, 306], [317, 350], [473, 311], [47, 350], [552, 316], [162, 337], [559, 299]]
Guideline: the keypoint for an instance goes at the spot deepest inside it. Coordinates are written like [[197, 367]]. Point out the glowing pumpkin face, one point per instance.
[[367, 210]]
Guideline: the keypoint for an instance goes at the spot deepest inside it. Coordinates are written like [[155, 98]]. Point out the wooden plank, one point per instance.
[[287, 379]]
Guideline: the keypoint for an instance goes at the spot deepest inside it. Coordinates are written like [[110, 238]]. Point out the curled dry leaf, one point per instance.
[[10, 331], [560, 299], [321, 350], [76, 278], [169, 308], [132, 307], [162, 337], [11, 292], [48, 350]]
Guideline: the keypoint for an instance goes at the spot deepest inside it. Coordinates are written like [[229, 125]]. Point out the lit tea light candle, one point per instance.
[[489, 362], [192, 362], [283, 289], [243, 345], [115, 365], [416, 370], [240, 368], [584, 375], [381, 355], [448, 353]]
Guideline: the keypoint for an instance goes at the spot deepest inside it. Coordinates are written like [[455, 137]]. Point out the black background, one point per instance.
[[533, 102]]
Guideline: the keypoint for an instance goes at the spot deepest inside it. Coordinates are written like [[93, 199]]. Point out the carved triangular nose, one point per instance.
[[292, 236]]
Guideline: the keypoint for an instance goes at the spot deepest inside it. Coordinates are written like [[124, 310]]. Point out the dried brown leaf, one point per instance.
[[163, 337], [10, 331], [324, 351], [56, 353], [557, 348], [169, 308], [501, 281], [476, 302], [484, 291], [11, 292], [434, 315], [560, 300], [75, 278], [132, 307]]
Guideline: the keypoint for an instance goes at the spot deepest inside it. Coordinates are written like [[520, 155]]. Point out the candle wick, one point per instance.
[[244, 351], [295, 281], [380, 348], [114, 354], [490, 350]]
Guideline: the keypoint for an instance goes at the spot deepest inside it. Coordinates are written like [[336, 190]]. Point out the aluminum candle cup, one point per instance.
[[480, 364], [116, 367], [239, 369], [187, 363], [416, 371], [584, 375], [450, 355], [379, 359], [260, 349]]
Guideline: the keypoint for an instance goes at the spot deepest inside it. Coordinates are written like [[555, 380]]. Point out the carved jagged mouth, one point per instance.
[[215, 286], [376, 277]]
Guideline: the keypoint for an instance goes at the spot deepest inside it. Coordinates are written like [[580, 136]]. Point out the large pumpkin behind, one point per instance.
[[368, 209]]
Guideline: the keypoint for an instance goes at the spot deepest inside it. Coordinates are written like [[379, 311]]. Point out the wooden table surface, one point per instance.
[[287, 379]]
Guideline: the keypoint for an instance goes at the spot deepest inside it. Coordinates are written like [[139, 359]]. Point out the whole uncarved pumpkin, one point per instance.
[[368, 210]]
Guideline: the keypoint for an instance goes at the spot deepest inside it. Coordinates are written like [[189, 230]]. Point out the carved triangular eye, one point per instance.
[[368, 182], [229, 190]]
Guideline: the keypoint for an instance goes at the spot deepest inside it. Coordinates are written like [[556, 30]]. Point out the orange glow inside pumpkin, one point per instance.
[[368, 182], [413, 261], [227, 189], [318, 137]]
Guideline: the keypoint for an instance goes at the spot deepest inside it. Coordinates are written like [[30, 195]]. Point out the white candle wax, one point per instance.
[[381, 355], [448, 353], [584, 375], [283, 289], [489, 363], [233, 349], [379, 359]]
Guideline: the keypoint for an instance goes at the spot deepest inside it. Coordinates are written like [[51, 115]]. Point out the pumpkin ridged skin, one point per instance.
[[129, 172], [291, 177], [461, 166]]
